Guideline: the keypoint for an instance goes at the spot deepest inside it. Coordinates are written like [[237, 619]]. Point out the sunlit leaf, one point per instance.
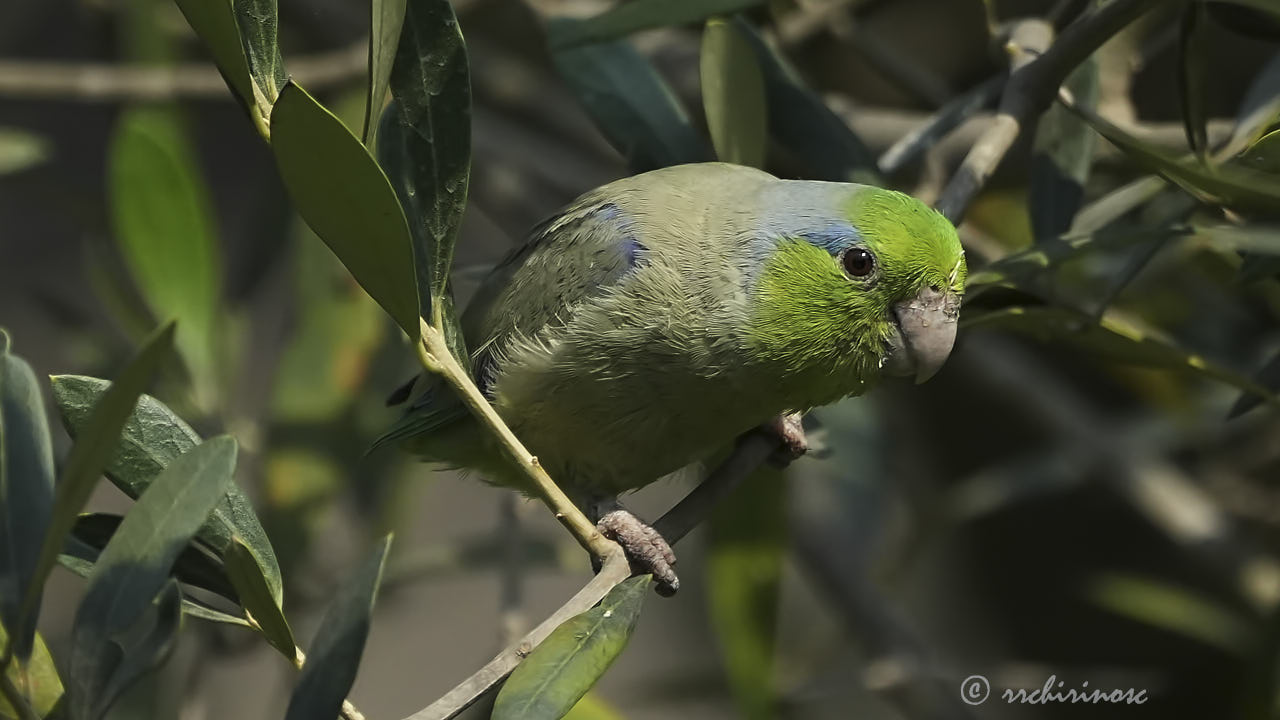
[[630, 103], [744, 576], [335, 652], [387, 17], [152, 438], [733, 94], [117, 615], [344, 196], [36, 678], [573, 657], [258, 24], [591, 707], [26, 490], [1259, 110], [245, 572], [627, 18], [1062, 156], [1177, 609], [20, 150], [163, 222]]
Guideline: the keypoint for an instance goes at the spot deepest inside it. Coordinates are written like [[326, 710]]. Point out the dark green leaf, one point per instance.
[[153, 437], [331, 668], [118, 632], [1228, 185], [344, 196], [630, 103], [1017, 266], [744, 576], [627, 18], [1268, 377], [940, 124], [733, 94], [1117, 203], [245, 571], [1253, 18], [1110, 339], [258, 24], [1263, 155], [36, 678], [802, 124], [1259, 110], [163, 223], [428, 151], [88, 456], [20, 150], [1062, 156], [215, 23], [26, 492], [573, 657], [384, 37], [1180, 610], [1193, 76]]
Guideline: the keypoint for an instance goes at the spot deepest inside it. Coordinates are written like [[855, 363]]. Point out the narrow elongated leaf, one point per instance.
[[627, 18], [744, 576], [344, 196], [117, 611], [258, 24], [335, 651], [1259, 110], [245, 572], [573, 657], [1062, 157], [1017, 266], [215, 23], [733, 94], [36, 678], [26, 490], [1229, 185], [88, 456], [1193, 75], [801, 123], [1111, 338], [429, 162], [80, 559], [630, 103], [384, 37], [947, 118], [1180, 610], [152, 438], [1268, 377], [163, 223], [20, 150]]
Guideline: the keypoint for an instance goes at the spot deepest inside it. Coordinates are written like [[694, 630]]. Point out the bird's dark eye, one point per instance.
[[858, 262]]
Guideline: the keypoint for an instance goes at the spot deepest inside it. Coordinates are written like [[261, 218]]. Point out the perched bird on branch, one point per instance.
[[660, 316]]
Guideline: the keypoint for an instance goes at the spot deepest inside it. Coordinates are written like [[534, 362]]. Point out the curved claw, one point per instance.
[[645, 548]]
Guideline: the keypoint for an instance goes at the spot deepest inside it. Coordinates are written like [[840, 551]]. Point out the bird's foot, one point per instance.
[[645, 548], [789, 429]]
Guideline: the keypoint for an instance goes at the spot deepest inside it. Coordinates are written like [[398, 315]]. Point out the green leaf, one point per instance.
[[630, 17], [733, 94], [1259, 110], [344, 196], [591, 707], [153, 437], [20, 150], [1268, 377], [331, 668], [1193, 76], [244, 569], [630, 103], [428, 142], [163, 222], [26, 492], [947, 118], [1227, 185], [386, 20], [1017, 267], [1110, 338], [1263, 155], [744, 576], [573, 657], [1181, 610], [258, 23], [1062, 156], [85, 462], [36, 678], [118, 633], [215, 23], [802, 124]]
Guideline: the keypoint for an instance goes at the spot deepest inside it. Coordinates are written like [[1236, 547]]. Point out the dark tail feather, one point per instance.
[[402, 393]]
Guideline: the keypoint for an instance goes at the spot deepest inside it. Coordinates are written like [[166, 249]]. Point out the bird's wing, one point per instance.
[[569, 258]]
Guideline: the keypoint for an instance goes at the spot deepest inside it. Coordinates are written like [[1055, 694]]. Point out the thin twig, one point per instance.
[[1033, 84], [436, 357], [107, 82], [751, 451]]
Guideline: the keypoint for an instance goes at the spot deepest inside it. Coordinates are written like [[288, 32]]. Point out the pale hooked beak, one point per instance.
[[924, 332]]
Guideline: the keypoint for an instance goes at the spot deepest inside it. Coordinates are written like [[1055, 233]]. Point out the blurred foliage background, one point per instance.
[[1087, 490]]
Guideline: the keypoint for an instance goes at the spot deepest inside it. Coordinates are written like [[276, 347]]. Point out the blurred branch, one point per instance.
[[108, 82], [1033, 83], [751, 451]]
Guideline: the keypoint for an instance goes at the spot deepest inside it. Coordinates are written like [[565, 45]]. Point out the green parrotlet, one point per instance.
[[658, 317]]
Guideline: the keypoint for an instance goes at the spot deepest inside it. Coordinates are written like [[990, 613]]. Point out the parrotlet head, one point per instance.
[[854, 281]]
